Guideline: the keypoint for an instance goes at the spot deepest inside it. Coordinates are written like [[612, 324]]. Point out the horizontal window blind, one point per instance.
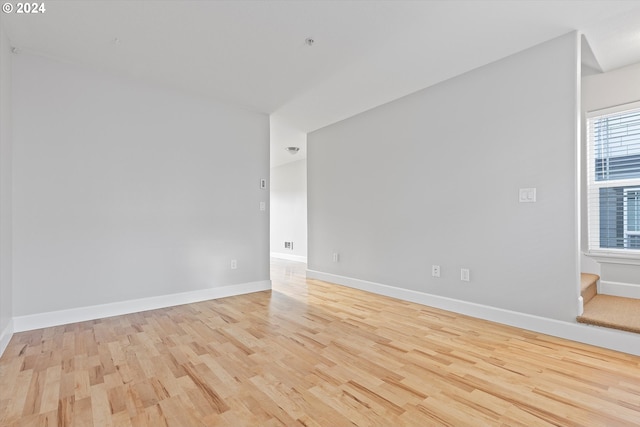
[[613, 174]]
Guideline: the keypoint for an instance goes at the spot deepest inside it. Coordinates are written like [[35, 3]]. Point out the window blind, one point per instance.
[[613, 179]]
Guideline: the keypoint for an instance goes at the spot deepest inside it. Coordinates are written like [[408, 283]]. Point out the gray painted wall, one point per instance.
[[123, 190], [289, 208], [6, 310], [433, 178]]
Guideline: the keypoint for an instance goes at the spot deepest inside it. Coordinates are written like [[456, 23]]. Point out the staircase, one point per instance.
[[607, 310]]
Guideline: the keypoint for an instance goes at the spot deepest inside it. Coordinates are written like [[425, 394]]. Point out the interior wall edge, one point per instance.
[[5, 337]]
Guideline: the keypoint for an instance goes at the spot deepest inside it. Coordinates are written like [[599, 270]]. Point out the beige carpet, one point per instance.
[[613, 312], [588, 286]]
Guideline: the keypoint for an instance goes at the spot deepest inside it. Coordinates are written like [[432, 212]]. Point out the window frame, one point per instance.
[[617, 255]]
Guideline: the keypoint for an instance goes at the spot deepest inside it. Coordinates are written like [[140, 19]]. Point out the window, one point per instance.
[[613, 189]]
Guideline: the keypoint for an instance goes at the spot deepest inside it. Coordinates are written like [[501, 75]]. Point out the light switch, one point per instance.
[[527, 195]]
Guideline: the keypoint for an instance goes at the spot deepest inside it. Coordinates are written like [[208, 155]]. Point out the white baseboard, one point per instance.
[[289, 257], [619, 289], [602, 337], [5, 336], [81, 314]]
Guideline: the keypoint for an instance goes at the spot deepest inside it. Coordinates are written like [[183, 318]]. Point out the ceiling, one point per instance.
[[253, 53]]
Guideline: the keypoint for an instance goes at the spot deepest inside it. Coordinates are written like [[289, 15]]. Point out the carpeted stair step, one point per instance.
[[612, 312], [588, 286]]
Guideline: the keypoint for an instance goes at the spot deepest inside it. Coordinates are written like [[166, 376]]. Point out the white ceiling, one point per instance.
[[366, 53]]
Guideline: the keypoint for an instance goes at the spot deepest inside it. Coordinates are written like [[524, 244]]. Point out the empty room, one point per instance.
[[320, 213]]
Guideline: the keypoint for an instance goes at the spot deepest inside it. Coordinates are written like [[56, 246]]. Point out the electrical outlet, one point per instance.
[[527, 195], [234, 264], [336, 257], [464, 274], [435, 270], [263, 206]]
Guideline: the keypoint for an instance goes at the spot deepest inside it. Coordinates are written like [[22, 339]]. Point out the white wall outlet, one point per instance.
[[435, 270], [336, 257], [234, 264], [527, 195], [263, 206], [263, 183], [464, 274]]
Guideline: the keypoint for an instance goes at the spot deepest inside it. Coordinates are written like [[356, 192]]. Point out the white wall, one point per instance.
[[433, 178], [125, 191], [613, 88], [283, 135], [6, 310], [600, 91], [289, 210]]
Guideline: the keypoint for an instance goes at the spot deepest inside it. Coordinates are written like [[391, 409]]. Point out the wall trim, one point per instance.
[[81, 314], [619, 289], [580, 305], [5, 336], [289, 257], [594, 335], [615, 257]]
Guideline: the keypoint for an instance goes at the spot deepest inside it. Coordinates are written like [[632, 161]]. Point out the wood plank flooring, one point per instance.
[[310, 353]]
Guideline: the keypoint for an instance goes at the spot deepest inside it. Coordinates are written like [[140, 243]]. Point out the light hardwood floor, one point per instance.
[[310, 353]]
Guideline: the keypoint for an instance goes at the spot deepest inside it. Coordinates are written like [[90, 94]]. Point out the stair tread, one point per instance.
[[612, 312]]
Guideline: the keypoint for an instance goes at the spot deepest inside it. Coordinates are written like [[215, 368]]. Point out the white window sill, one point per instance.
[[616, 257]]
